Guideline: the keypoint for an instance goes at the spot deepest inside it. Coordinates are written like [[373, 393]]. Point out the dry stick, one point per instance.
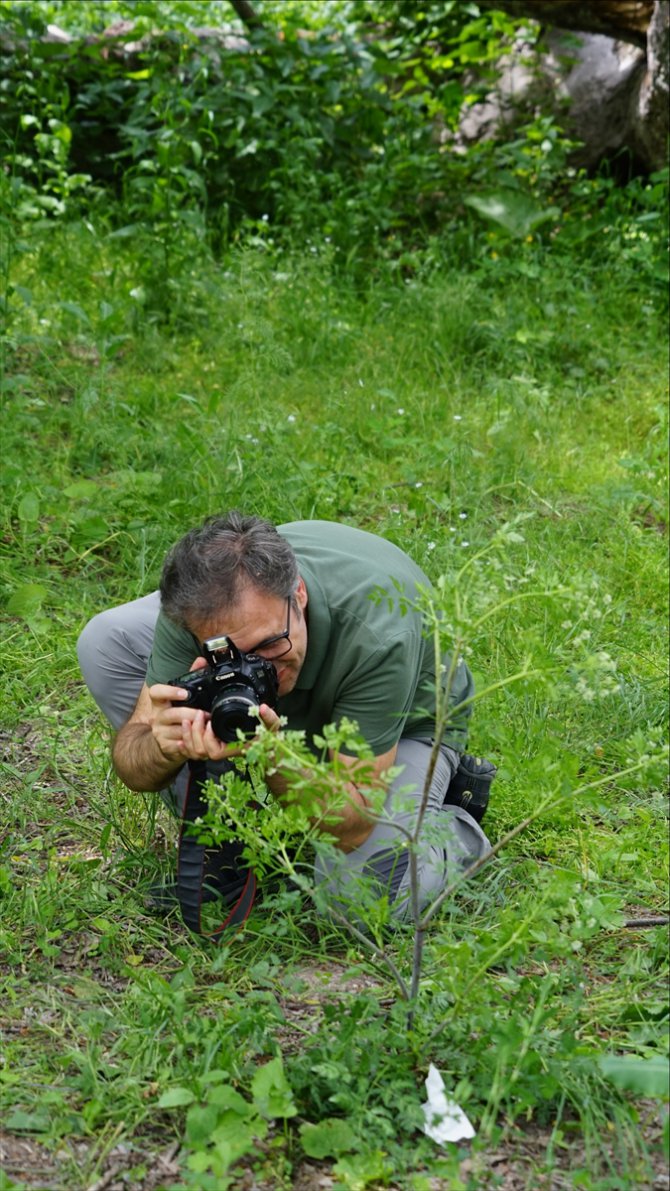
[[103, 1182], [657, 920]]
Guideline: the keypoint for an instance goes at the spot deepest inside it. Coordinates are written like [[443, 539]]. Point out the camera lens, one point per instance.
[[230, 711]]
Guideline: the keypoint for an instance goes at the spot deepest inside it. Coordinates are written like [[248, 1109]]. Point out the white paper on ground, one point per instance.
[[444, 1119]]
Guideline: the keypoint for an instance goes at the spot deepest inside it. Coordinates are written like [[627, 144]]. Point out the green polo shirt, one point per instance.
[[366, 660]]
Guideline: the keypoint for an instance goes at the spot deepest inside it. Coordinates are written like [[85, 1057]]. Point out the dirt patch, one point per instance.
[[27, 1161], [310, 988]]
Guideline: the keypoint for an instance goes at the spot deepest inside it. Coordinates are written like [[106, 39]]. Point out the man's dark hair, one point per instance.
[[206, 572]]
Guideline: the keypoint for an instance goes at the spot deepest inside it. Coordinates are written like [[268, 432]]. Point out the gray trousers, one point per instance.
[[113, 652]]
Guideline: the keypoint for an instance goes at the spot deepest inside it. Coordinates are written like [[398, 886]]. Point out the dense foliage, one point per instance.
[[343, 133]]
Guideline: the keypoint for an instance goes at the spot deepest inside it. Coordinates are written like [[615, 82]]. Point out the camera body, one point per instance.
[[229, 687]]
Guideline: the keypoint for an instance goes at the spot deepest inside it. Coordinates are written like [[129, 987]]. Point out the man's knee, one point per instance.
[[95, 646], [113, 659]]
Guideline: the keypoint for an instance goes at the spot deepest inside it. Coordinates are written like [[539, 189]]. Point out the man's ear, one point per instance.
[[301, 595]]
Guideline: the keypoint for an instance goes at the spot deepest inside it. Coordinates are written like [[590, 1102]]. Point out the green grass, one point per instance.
[[527, 392]]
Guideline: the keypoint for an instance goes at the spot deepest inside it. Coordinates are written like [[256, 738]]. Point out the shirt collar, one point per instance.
[[318, 631]]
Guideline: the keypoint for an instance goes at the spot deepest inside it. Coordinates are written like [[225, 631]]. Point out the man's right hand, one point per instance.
[[184, 733], [162, 735]]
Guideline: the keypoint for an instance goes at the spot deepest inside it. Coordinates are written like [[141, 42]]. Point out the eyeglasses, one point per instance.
[[275, 647]]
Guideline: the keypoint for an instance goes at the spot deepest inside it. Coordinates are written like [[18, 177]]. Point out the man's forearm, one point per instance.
[[138, 760], [349, 820]]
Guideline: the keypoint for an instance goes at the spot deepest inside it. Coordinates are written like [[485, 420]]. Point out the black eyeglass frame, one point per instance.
[[269, 641]]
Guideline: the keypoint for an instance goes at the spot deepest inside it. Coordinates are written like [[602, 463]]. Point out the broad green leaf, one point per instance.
[[227, 1097], [29, 508], [27, 600], [76, 311], [330, 1138], [201, 1121], [514, 212], [81, 490], [28, 1122], [648, 1077], [141, 480], [176, 1098], [89, 531], [359, 1170], [237, 1137], [199, 1162], [271, 1091]]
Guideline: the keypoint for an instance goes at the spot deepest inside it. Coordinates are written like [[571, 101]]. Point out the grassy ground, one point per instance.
[[516, 410]]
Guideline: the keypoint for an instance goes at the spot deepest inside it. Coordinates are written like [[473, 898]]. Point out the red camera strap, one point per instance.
[[207, 874]]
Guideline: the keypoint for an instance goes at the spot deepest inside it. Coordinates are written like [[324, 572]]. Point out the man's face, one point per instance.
[[258, 617]]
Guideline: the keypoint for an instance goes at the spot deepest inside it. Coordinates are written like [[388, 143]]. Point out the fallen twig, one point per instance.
[[657, 920]]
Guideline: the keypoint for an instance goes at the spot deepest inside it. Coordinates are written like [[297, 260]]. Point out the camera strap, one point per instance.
[[206, 874]]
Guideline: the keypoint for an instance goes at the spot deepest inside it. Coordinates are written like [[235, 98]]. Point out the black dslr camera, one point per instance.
[[229, 687]]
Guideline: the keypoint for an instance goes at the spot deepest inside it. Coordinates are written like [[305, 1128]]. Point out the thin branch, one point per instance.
[[378, 952], [247, 14], [520, 595], [550, 800]]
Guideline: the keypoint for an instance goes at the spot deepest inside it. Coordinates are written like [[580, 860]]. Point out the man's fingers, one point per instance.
[[161, 692], [269, 717]]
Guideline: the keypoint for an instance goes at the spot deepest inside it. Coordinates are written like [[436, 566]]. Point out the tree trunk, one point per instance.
[[625, 20], [650, 119]]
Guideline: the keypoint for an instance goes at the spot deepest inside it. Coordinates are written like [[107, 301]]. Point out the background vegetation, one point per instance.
[[270, 277]]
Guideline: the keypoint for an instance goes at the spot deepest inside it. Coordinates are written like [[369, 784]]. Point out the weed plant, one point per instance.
[[487, 392]]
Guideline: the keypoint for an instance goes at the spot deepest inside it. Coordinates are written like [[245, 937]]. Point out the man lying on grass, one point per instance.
[[298, 596]]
